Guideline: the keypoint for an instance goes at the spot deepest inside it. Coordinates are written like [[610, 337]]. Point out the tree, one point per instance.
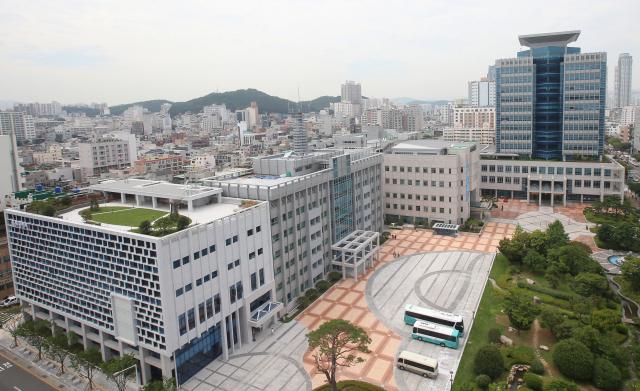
[[37, 206], [589, 284], [551, 317], [35, 333], [333, 344], [13, 326], [537, 367], [631, 271], [86, 215], [488, 361], [539, 241], [606, 232], [604, 320], [489, 198], [121, 370], [561, 385], [482, 381], [183, 222], [624, 235], [581, 306], [552, 276], [606, 376], [49, 210], [573, 359], [166, 384], [557, 236], [520, 310], [563, 330], [535, 261], [145, 227], [532, 380], [494, 335], [514, 248], [93, 205], [57, 347], [627, 207], [164, 224], [589, 336], [66, 200], [597, 206], [85, 363]]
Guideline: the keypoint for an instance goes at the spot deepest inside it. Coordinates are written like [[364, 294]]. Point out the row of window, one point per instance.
[[545, 170], [424, 197], [417, 182], [424, 170], [205, 311], [423, 209]]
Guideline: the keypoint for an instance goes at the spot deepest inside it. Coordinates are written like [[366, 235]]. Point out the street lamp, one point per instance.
[[451, 373]]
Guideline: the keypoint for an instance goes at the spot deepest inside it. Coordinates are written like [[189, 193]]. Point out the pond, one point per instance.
[[616, 260]]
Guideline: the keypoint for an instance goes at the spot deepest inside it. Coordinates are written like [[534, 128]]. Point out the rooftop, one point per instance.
[[159, 189], [562, 38]]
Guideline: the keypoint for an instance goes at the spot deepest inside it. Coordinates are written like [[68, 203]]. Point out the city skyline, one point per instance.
[[106, 54]]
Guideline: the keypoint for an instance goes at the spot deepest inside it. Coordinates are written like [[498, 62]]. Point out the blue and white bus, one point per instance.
[[413, 313], [440, 335]]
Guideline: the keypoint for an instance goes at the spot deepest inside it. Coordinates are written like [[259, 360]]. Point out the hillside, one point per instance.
[[152, 105]]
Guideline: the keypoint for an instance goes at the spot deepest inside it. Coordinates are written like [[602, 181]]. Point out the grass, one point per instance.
[[610, 218], [626, 289], [500, 266], [131, 218], [106, 209]]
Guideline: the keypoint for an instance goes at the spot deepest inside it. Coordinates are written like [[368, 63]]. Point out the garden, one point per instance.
[[618, 227], [550, 323]]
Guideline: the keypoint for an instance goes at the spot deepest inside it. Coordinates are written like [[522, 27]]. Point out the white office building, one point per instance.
[[100, 156], [175, 302], [482, 93], [623, 81]]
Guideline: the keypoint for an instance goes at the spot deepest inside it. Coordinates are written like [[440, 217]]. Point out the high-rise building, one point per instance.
[[18, 123], [550, 99], [12, 179], [351, 99], [482, 93], [622, 91], [630, 115], [52, 109], [101, 156], [491, 74]]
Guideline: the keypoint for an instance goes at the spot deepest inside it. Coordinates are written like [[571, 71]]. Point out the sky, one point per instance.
[[127, 51]]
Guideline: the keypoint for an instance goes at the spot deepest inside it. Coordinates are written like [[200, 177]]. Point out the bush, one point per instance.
[[350, 385], [606, 375], [573, 359], [503, 281], [494, 335], [611, 306], [335, 276], [533, 380], [524, 389], [514, 269], [483, 381], [537, 367], [561, 303], [560, 385], [546, 291], [488, 361], [400, 221], [312, 294], [323, 285], [620, 328]]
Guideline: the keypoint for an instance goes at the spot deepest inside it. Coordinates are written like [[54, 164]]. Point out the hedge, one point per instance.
[[503, 281], [546, 291], [351, 385]]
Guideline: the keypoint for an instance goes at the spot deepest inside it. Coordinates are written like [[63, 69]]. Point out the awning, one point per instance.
[[264, 313]]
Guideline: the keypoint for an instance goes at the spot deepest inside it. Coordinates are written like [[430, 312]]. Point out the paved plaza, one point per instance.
[[546, 215]]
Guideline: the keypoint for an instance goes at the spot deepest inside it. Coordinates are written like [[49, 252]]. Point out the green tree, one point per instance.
[[85, 363], [606, 376], [563, 330], [483, 381], [66, 200], [145, 227], [597, 206], [86, 215], [581, 306], [539, 241], [537, 367], [557, 236], [589, 284], [13, 326], [604, 320], [514, 248], [532, 380], [631, 271], [488, 361], [552, 275], [624, 235], [606, 233], [573, 359], [183, 222], [561, 385], [93, 205], [56, 347], [520, 310], [334, 343], [627, 207], [36, 206], [589, 336], [489, 198], [166, 384], [551, 317], [494, 335], [35, 333], [49, 210], [535, 261], [120, 370], [163, 224]]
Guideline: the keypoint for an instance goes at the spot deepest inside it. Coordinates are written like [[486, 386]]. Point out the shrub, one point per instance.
[[611, 306], [499, 294], [323, 285], [503, 281], [312, 294], [524, 389], [620, 328], [573, 359], [606, 375], [483, 381], [488, 361], [494, 335], [562, 303], [546, 291], [560, 385], [335, 276], [533, 380], [537, 367], [514, 269], [351, 385]]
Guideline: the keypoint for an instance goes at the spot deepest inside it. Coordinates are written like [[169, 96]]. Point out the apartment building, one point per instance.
[[475, 117], [18, 123], [484, 134], [98, 157], [175, 302], [158, 162]]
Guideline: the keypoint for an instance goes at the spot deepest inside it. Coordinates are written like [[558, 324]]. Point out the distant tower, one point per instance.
[[300, 141], [622, 92]]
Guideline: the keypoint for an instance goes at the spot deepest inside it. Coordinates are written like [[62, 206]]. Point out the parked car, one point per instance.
[[9, 301]]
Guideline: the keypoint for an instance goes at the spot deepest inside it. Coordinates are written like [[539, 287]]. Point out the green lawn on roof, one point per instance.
[[106, 209], [129, 217]]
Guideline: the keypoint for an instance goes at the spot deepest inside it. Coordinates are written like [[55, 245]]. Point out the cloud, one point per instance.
[[68, 58], [375, 67]]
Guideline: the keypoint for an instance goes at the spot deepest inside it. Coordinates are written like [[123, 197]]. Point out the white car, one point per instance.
[[9, 301]]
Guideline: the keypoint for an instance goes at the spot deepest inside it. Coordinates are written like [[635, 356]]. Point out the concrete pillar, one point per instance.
[[145, 368], [223, 336], [552, 197], [138, 200], [239, 328], [166, 366], [123, 198], [154, 202], [355, 267], [190, 205]]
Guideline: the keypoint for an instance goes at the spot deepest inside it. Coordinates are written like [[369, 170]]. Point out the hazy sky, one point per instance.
[[126, 51]]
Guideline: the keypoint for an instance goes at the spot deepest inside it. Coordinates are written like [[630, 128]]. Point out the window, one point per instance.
[[185, 260], [214, 274], [201, 313], [250, 232], [209, 308], [484, 178], [239, 289], [178, 292], [252, 255], [578, 171], [261, 275], [235, 238], [232, 293], [260, 251], [254, 282], [228, 242], [199, 282], [188, 287], [441, 184], [216, 303], [560, 170], [204, 252], [191, 317], [182, 323], [577, 183], [176, 264], [569, 171], [196, 255], [237, 263], [207, 278], [401, 169], [230, 266], [596, 184], [386, 168], [212, 248], [597, 171], [258, 227]]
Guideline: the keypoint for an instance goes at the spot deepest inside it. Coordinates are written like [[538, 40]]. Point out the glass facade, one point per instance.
[[198, 353]]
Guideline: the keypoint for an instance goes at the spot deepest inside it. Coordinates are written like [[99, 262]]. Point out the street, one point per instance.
[[15, 378]]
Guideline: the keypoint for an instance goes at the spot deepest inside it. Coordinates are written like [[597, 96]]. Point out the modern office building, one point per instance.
[[315, 200], [430, 181], [623, 79], [550, 99], [98, 157], [176, 302], [482, 93], [18, 123]]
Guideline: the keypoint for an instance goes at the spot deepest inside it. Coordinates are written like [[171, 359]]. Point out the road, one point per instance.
[[14, 377]]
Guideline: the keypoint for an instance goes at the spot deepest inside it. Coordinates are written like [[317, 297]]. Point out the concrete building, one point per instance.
[[623, 81], [551, 117], [482, 93], [630, 115], [19, 123], [475, 117], [157, 162], [315, 200], [430, 181], [175, 302], [351, 100], [484, 134], [53, 109], [98, 157], [12, 180]]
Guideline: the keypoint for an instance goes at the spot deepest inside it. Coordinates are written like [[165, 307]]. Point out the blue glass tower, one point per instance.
[[550, 99]]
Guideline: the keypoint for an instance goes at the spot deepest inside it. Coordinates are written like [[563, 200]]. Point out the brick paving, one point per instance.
[[574, 211], [512, 209], [346, 300], [588, 240]]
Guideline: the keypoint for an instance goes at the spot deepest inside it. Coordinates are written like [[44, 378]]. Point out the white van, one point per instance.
[[422, 365]]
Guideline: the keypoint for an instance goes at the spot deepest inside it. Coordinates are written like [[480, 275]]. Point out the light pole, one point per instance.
[[451, 374]]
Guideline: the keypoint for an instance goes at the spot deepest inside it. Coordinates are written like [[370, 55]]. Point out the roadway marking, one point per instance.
[[36, 376]]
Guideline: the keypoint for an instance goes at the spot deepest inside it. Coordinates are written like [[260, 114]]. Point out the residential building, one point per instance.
[[153, 162], [623, 79], [315, 200], [482, 93], [12, 180], [52, 109], [6, 276], [175, 302], [18, 123], [475, 117], [430, 180], [484, 134], [34, 178], [551, 99], [630, 115], [351, 100], [98, 157]]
